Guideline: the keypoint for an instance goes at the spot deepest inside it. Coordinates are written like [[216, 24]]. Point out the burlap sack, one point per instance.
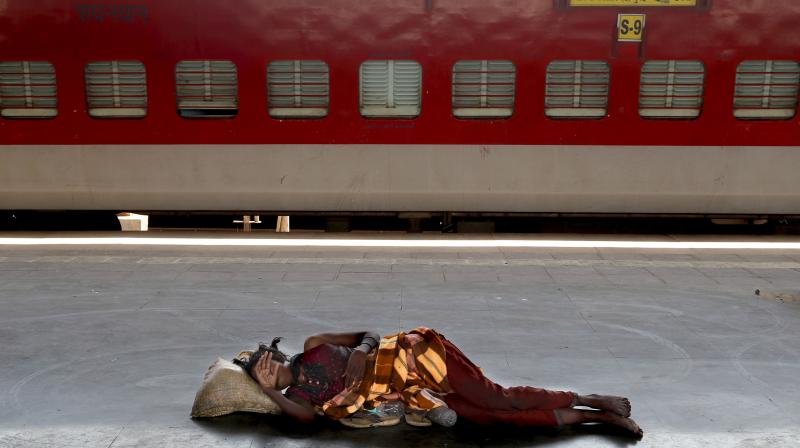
[[227, 388]]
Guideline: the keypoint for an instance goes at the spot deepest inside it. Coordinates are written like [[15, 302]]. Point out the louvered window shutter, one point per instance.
[[766, 90], [298, 89], [671, 89], [28, 89], [207, 89], [116, 89], [483, 89], [577, 89], [391, 89]]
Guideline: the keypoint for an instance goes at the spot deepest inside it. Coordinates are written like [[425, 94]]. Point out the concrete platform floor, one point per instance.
[[105, 346]]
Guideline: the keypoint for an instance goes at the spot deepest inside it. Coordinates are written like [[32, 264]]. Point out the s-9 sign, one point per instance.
[[630, 27]]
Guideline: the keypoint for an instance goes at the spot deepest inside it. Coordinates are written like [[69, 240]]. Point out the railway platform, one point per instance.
[[105, 339]]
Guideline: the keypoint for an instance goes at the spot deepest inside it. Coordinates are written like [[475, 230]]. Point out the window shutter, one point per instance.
[[28, 89], [298, 89], [577, 89], [116, 89], [207, 89], [671, 89], [483, 89], [766, 90], [391, 88]]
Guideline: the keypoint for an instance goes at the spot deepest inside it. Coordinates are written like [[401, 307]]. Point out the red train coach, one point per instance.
[[556, 106]]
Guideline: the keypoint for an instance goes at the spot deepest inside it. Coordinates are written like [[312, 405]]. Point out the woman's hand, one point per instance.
[[266, 372], [355, 369]]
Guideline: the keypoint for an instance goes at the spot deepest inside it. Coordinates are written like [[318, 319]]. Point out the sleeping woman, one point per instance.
[[340, 374]]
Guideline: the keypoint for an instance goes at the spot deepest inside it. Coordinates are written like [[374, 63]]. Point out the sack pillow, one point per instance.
[[226, 389]]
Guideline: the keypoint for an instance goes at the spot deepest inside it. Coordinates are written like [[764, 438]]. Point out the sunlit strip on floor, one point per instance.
[[399, 243]]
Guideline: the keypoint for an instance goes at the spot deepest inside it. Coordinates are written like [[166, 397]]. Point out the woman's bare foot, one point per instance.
[[577, 416], [623, 422], [618, 405]]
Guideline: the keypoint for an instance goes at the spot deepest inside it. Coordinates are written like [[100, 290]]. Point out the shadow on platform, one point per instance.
[[269, 430]]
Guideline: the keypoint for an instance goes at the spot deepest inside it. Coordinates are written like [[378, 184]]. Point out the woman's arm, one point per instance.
[[302, 412], [363, 342], [354, 340], [265, 373]]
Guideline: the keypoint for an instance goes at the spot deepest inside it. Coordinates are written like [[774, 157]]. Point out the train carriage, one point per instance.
[[534, 106]]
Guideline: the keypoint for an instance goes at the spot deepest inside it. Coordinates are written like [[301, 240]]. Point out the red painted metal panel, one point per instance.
[[437, 33]]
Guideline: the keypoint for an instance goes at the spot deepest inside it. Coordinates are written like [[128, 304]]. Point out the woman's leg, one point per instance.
[[469, 383], [520, 417], [478, 399], [537, 417]]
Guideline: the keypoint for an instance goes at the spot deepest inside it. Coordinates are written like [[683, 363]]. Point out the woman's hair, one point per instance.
[[248, 360]]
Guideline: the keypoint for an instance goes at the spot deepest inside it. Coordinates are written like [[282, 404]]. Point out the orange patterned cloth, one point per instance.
[[406, 363]]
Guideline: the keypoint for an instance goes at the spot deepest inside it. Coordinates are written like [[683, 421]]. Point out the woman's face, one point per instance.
[[283, 376]]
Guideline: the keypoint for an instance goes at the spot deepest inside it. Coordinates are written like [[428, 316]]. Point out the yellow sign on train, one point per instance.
[[633, 2], [630, 27]]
